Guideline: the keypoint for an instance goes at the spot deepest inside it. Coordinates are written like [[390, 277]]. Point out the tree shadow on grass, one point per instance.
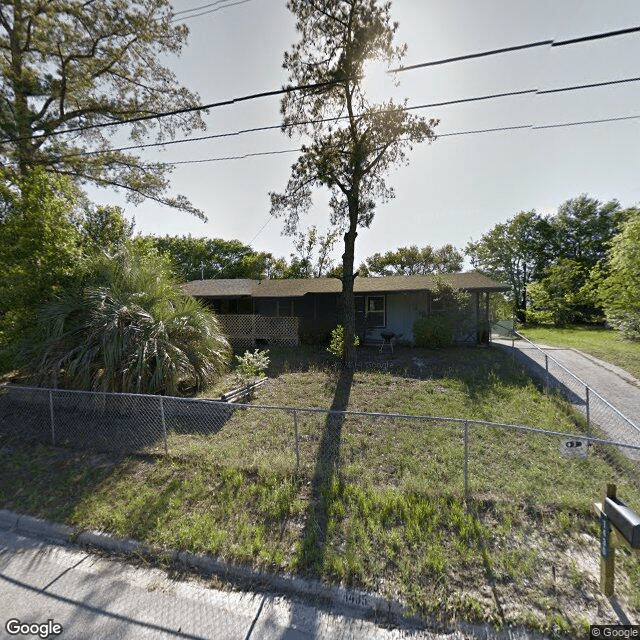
[[315, 534]]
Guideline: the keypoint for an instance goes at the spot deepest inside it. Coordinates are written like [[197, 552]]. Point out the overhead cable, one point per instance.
[[439, 135], [199, 7], [204, 13], [291, 89], [519, 47], [239, 132], [174, 112]]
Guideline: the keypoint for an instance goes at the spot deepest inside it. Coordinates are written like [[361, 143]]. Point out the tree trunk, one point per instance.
[[348, 304], [24, 149]]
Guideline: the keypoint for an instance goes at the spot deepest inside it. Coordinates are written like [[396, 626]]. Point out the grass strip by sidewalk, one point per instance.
[[605, 344], [374, 504]]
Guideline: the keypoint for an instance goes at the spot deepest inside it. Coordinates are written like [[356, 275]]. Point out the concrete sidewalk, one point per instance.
[[616, 386], [100, 598]]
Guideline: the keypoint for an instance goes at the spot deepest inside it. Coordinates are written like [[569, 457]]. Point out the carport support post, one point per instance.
[[607, 551], [164, 426]]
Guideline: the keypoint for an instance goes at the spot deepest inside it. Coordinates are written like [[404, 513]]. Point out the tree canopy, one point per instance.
[[210, 258], [412, 260], [353, 143], [128, 329], [312, 254], [583, 228], [619, 291], [554, 263], [68, 68], [566, 292], [40, 252], [514, 252]]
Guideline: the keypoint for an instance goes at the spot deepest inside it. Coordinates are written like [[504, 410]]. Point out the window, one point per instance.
[[375, 311]]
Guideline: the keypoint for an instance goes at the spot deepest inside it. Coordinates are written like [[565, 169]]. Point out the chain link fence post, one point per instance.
[[164, 426], [466, 459], [586, 394], [53, 428], [295, 427], [546, 377]]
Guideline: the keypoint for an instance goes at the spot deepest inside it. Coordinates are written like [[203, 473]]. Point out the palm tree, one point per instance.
[[130, 329]]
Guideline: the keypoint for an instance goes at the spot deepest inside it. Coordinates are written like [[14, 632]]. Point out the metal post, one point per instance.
[[53, 430], [466, 459], [164, 426], [607, 552], [295, 426], [586, 393], [546, 368]]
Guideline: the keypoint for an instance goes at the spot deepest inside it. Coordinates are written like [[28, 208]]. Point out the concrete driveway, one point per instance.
[[615, 405]]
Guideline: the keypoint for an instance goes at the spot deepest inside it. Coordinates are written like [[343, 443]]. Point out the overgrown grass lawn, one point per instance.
[[606, 344], [376, 503]]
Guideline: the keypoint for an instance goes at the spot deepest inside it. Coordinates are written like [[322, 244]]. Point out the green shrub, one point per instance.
[[336, 346], [130, 329], [434, 331], [449, 317], [252, 365]]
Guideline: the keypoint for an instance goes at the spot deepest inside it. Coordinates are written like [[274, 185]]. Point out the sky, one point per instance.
[[454, 189]]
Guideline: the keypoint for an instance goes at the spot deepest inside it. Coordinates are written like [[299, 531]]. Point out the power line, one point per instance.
[[519, 47], [204, 13], [202, 6], [590, 86], [240, 157], [321, 120], [440, 135], [575, 124], [596, 36], [471, 56], [320, 85], [493, 130], [174, 112]]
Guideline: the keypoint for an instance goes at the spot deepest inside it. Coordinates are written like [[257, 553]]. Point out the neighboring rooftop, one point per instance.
[[298, 287]]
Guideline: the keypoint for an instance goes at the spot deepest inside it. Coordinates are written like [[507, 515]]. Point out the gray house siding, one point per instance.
[[390, 304]]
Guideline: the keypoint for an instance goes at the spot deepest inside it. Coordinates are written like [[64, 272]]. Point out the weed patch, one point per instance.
[[376, 503]]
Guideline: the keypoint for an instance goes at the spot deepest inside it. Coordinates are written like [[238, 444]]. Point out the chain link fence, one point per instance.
[[416, 453], [601, 415]]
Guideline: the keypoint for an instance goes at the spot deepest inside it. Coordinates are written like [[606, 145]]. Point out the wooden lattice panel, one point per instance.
[[245, 330]]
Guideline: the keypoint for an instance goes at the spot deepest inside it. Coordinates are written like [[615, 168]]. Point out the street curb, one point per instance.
[[367, 604], [338, 596], [30, 526], [8, 520], [353, 599]]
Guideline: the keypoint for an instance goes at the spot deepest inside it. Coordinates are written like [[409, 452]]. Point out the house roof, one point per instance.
[[232, 288], [296, 288]]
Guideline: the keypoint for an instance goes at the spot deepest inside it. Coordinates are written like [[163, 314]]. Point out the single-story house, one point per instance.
[[284, 311]]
